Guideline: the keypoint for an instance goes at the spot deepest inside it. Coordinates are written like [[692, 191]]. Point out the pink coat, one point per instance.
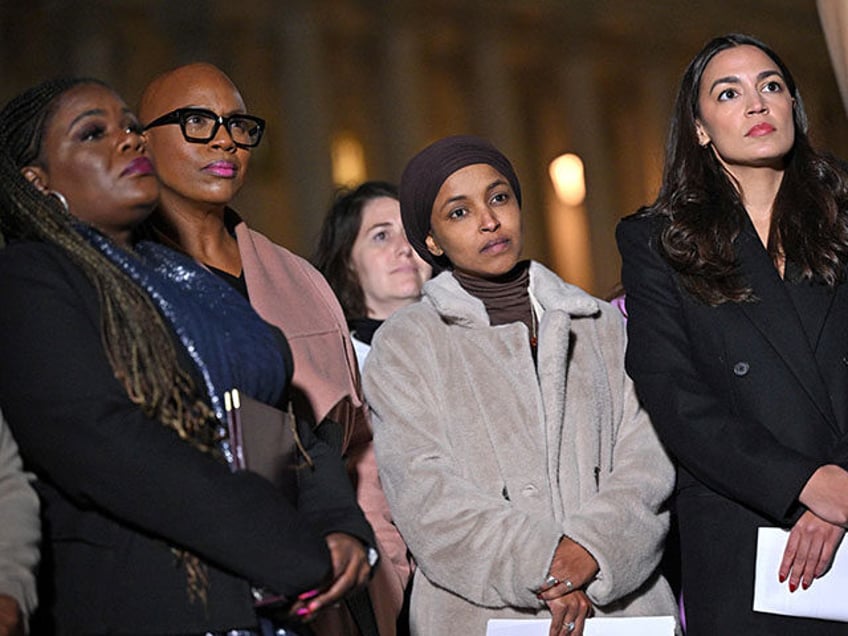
[[291, 294]]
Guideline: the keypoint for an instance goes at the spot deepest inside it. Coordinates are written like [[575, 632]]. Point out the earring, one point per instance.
[[61, 198]]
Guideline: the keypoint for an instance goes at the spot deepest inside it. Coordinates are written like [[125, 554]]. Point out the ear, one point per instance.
[[703, 138], [432, 246], [36, 176]]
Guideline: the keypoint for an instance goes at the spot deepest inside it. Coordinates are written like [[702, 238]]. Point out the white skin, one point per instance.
[[745, 113], [388, 270], [477, 224]]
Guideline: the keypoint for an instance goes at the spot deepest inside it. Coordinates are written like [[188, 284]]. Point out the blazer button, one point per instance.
[[845, 359], [529, 490], [741, 369]]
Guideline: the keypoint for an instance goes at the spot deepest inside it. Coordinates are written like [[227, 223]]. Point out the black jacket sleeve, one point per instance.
[[77, 429]]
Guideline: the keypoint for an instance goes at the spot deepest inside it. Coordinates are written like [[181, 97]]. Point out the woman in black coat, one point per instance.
[[114, 356], [738, 333]]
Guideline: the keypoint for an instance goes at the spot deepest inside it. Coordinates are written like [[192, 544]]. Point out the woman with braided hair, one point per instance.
[[114, 357]]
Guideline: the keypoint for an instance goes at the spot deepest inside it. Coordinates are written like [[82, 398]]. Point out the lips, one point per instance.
[[760, 129], [496, 246], [138, 166], [224, 169]]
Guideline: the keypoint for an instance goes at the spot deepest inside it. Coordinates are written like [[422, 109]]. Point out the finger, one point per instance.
[[798, 565], [828, 550], [788, 556], [812, 564], [560, 588]]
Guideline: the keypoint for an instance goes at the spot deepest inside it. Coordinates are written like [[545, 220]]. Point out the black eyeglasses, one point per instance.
[[200, 126]]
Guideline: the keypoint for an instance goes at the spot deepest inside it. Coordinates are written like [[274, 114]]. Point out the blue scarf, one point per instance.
[[230, 345]]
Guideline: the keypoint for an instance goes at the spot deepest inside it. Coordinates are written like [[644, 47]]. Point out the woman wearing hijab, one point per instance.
[[518, 464]]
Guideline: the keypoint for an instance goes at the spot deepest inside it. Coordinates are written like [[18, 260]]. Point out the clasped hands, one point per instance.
[[572, 568], [350, 571]]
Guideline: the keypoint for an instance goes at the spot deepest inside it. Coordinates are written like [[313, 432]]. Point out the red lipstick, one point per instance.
[[760, 129]]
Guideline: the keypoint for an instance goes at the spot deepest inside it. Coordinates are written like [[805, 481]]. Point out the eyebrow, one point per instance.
[[733, 79], [95, 111], [494, 184], [381, 224]]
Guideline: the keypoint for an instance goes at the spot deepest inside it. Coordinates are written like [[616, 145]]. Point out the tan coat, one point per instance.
[[486, 465]]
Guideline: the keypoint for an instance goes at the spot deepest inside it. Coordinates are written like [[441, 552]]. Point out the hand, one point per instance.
[[809, 550], [11, 619], [826, 494], [569, 611], [350, 570], [571, 563]]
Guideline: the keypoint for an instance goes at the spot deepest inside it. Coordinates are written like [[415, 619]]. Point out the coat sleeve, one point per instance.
[[473, 543], [632, 493], [77, 429], [21, 530], [736, 457]]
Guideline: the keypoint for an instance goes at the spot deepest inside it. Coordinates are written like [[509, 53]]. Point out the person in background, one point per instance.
[[364, 254], [201, 137], [20, 533], [114, 358], [519, 466], [737, 310]]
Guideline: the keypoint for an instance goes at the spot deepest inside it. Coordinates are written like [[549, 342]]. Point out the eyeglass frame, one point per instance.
[[179, 115]]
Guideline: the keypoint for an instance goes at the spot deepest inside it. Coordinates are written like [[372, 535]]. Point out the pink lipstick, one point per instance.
[[223, 169], [138, 166]]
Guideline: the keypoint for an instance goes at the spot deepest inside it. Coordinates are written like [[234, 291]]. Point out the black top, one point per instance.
[[120, 489]]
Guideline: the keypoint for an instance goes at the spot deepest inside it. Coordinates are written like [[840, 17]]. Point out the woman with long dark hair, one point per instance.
[[737, 312]]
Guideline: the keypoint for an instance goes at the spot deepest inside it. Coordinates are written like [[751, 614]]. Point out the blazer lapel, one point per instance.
[[774, 315]]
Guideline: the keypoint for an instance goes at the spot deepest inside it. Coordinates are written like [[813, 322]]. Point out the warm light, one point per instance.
[[567, 175], [348, 159]]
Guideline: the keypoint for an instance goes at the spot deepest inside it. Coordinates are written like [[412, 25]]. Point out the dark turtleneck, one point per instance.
[[363, 328], [506, 298]]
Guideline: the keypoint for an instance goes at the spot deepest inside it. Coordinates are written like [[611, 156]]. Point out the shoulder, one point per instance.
[[642, 227], [32, 262]]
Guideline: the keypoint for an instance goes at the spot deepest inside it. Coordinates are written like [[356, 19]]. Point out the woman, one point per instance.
[[364, 255], [519, 467], [737, 309], [201, 137], [113, 361]]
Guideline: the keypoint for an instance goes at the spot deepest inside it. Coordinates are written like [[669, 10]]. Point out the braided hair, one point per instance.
[[136, 339]]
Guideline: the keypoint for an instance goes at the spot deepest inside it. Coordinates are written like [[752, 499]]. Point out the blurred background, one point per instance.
[[353, 88]]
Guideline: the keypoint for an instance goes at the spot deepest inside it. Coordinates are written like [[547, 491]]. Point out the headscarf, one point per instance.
[[427, 171]]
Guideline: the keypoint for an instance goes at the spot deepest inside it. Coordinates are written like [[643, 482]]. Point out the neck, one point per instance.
[[382, 310], [758, 188], [200, 233]]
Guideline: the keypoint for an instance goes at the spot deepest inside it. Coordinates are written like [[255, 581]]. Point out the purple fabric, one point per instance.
[[427, 171]]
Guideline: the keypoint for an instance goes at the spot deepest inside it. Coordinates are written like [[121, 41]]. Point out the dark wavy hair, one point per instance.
[[338, 233], [704, 209]]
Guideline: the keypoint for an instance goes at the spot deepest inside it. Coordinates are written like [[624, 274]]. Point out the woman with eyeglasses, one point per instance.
[[201, 137], [115, 353]]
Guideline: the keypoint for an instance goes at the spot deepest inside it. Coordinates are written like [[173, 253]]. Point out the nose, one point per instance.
[[403, 247], [756, 104], [133, 139], [489, 221], [223, 139]]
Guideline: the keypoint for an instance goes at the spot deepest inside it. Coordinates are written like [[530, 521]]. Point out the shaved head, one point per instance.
[[191, 85]]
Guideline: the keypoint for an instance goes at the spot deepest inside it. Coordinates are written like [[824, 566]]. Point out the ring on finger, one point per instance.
[[568, 585], [551, 580], [569, 626]]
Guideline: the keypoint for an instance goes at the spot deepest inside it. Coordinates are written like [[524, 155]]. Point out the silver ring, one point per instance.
[[568, 585], [569, 626], [551, 580]]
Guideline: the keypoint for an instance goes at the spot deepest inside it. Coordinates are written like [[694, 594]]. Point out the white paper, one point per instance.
[[599, 626], [825, 598]]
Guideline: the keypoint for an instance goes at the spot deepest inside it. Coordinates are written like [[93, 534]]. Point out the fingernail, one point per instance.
[[303, 611], [308, 594], [805, 584], [793, 586], [781, 577]]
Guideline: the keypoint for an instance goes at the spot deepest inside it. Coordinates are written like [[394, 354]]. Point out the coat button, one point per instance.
[[741, 369], [845, 360]]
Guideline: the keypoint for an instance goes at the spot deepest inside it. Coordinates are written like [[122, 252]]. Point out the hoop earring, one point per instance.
[[61, 198]]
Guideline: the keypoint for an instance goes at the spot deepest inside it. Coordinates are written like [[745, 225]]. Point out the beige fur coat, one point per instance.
[[487, 464]]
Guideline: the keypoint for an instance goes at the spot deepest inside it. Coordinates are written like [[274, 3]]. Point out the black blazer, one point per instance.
[[119, 490], [750, 398]]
